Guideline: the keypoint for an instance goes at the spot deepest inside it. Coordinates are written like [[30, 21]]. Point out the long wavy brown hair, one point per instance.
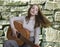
[[40, 19]]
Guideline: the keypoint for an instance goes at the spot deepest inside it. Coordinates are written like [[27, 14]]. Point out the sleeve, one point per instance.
[[21, 18], [37, 33]]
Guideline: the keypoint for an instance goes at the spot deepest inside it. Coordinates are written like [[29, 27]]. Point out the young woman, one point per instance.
[[33, 21]]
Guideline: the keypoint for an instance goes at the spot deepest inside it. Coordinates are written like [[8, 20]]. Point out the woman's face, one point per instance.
[[34, 10]]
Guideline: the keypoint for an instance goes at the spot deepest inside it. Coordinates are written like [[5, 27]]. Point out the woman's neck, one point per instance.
[[32, 17]]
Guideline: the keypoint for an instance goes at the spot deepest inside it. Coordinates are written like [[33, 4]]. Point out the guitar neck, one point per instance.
[[27, 41]]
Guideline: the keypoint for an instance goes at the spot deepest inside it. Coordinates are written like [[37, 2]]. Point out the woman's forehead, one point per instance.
[[35, 6]]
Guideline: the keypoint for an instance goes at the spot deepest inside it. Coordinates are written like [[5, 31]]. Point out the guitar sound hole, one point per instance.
[[18, 35]]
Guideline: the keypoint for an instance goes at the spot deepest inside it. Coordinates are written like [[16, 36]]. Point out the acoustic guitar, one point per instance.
[[22, 35]]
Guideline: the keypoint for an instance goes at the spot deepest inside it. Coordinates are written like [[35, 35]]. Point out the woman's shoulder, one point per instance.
[[18, 18]]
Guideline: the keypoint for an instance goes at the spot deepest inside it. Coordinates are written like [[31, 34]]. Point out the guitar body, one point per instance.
[[20, 29], [24, 37]]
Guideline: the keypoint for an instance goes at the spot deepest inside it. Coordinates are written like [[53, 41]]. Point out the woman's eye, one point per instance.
[[36, 10], [32, 7]]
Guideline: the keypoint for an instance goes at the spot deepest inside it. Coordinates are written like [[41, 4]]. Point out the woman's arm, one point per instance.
[[37, 32], [15, 19], [21, 18]]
